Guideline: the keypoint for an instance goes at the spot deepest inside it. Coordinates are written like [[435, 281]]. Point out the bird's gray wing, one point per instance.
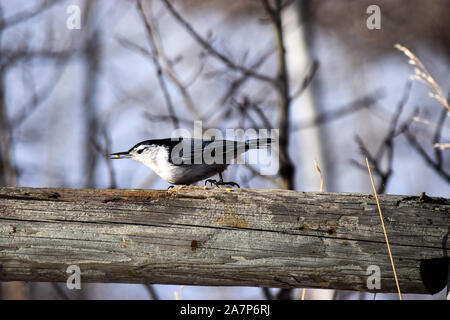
[[198, 151]]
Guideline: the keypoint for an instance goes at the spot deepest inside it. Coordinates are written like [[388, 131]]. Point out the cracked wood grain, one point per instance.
[[223, 237]]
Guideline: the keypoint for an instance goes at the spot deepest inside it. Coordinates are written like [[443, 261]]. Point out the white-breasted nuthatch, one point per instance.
[[186, 161]]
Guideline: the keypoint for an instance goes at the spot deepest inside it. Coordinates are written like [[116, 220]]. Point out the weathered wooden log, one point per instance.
[[224, 237]]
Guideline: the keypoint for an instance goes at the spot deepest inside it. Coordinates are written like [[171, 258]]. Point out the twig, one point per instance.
[[158, 69], [163, 118], [438, 168], [437, 136], [105, 151], [213, 52], [130, 44], [25, 15], [239, 82], [261, 114], [31, 106], [384, 228], [13, 56], [309, 76], [168, 66], [255, 172], [328, 116], [387, 144]]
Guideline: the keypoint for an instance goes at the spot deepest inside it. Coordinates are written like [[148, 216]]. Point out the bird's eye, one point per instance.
[[140, 151]]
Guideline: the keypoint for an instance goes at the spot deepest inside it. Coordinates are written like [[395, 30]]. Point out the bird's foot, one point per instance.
[[221, 183]]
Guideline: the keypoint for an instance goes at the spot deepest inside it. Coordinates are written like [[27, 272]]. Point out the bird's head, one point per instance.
[[138, 151], [146, 149]]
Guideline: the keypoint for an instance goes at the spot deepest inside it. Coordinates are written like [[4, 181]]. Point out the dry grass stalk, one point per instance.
[[303, 293], [442, 146], [384, 228], [179, 295], [316, 165], [421, 74]]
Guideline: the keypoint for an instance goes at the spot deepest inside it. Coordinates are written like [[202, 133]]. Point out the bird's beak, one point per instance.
[[120, 155]]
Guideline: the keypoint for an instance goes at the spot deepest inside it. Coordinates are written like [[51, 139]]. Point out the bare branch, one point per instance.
[[437, 135], [13, 56], [31, 106], [328, 116], [257, 173], [162, 118], [261, 114], [239, 82], [25, 15], [387, 144], [434, 164], [284, 96], [158, 69], [386, 147], [130, 44], [215, 53], [168, 65], [307, 79], [105, 152]]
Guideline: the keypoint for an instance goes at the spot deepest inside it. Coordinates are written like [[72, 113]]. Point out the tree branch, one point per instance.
[[158, 68], [213, 52]]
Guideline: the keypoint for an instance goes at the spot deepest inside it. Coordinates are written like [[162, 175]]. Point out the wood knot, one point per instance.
[[194, 245]]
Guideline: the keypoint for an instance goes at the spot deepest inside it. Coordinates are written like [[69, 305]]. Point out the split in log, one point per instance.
[[224, 237]]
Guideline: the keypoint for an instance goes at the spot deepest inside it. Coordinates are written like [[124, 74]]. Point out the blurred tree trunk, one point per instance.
[[91, 55], [291, 54], [312, 139], [7, 170]]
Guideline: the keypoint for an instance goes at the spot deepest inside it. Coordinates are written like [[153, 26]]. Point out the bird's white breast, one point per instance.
[[157, 159]]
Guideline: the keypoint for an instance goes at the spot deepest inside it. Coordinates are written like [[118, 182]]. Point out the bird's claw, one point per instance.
[[211, 181], [231, 184], [221, 183]]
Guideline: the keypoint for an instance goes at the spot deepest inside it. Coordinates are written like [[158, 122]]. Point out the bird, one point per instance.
[[184, 161]]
